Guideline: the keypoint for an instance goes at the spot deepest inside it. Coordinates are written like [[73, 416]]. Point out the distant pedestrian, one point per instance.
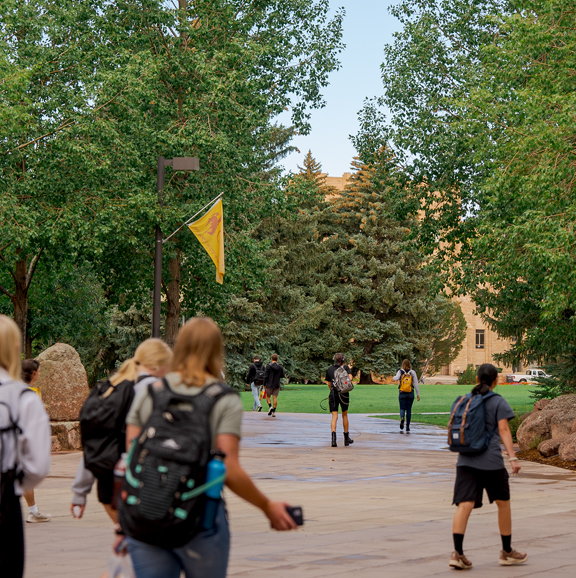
[[338, 399], [408, 384], [255, 379], [486, 470], [30, 373], [274, 373], [103, 423], [24, 448], [165, 507]]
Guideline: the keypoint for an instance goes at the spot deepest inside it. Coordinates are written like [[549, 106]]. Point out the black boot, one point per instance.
[[347, 440], [334, 444], [402, 424], [407, 428]]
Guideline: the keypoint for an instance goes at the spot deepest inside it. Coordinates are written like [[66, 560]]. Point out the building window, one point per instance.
[[479, 338]]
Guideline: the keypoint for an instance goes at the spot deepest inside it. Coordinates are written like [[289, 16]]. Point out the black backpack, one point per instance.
[[162, 499], [260, 374], [102, 424]]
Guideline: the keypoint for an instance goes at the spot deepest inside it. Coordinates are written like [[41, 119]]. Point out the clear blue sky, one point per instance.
[[368, 26]]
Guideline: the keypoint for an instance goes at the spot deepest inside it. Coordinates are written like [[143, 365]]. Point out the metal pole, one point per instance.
[[158, 255]]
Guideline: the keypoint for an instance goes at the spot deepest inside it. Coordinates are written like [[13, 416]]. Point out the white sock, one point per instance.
[[33, 509]]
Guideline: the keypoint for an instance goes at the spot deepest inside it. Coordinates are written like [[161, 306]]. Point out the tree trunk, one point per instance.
[[28, 346], [365, 378], [20, 299], [173, 308]]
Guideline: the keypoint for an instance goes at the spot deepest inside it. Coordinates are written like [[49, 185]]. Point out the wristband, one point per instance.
[[513, 459]]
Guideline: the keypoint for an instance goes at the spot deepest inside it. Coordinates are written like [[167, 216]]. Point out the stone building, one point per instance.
[[480, 344]]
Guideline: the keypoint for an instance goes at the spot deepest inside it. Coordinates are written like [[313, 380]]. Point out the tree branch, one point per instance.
[[6, 292], [32, 268]]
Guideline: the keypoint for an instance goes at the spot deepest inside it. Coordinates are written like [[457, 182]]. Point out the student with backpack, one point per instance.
[[339, 379], [30, 373], [24, 448], [408, 384], [255, 379], [103, 422], [272, 376], [477, 423], [185, 435]]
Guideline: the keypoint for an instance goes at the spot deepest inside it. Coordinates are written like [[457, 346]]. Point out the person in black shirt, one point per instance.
[[274, 373], [336, 399]]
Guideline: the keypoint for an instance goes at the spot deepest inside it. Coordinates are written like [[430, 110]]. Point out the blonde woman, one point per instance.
[[104, 445], [25, 446], [197, 364]]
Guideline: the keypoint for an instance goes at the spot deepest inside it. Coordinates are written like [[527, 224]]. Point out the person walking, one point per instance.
[[272, 376], [255, 379], [486, 470], [25, 444], [337, 399], [103, 423], [195, 374], [30, 373], [408, 384]]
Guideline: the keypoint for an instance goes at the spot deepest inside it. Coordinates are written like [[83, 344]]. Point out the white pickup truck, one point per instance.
[[530, 376]]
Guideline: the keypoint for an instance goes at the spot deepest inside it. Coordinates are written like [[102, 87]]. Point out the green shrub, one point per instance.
[[514, 424], [468, 376]]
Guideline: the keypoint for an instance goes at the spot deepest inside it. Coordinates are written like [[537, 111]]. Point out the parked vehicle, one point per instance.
[[530, 376]]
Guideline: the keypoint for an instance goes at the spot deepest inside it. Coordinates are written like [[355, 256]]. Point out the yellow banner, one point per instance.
[[209, 230]]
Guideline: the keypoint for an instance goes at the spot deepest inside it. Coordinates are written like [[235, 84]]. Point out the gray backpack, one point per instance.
[[341, 382]]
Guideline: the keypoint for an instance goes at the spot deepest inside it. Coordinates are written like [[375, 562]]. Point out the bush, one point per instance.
[[468, 376], [514, 424]]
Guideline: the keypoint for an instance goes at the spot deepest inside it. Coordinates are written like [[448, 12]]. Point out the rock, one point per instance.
[[567, 449], [541, 404], [524, 416], [56, 447], [68, 434], [562, 402], [561, 424], [62, 381], [549, 448], [534, 429]]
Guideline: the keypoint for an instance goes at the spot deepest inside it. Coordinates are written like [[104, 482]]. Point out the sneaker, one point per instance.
[[512, 558], [259, 408], [270, 411], [38, 517], [401, 424], [459, 561], [407, 428], [273, 412]]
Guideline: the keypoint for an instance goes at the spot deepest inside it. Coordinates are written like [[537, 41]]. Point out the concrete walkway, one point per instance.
[[381, 507]]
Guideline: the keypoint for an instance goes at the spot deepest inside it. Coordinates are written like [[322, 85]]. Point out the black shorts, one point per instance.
[[336, 399], [105, 486], [471, 483]]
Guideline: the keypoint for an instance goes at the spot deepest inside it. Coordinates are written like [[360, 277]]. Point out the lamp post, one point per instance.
[[177, 164]]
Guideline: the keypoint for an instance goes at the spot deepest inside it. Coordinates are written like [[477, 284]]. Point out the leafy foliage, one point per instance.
[[468, 376]]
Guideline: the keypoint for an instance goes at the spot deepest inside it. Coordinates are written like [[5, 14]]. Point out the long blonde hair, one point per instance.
[[10, 346], [199, 351], [152, 353]]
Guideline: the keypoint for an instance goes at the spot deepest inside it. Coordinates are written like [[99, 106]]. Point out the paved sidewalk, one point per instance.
[[381, 507]]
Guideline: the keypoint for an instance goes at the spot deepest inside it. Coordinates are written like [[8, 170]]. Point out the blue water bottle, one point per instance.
[[216, 470]]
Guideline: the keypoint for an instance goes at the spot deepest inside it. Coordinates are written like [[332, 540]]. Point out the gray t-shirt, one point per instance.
[[496, 408], [225, 417]]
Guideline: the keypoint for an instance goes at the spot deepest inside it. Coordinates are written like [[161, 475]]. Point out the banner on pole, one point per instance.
[[209, 230]]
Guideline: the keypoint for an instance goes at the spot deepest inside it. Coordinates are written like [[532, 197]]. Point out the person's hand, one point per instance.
[[119, 545], [417, 398], [516, 467], [80, 512], [279, 518]]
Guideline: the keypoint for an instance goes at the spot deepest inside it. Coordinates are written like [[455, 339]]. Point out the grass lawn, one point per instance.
[[384, 399]]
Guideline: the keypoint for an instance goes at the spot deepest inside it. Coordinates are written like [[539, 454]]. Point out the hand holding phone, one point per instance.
[[296, 514]]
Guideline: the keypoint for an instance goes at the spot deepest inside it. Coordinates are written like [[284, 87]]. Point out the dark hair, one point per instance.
[[487, 374], [274, 357], [339, 358], [29, 366], [256, 358]]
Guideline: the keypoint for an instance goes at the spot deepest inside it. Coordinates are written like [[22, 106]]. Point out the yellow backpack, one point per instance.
[[406, 382]]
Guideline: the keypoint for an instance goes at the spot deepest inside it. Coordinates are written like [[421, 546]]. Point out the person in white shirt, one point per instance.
[[24, 448]]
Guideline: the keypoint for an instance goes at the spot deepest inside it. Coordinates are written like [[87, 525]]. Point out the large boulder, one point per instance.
[[549, 448], [561, 423], [541, 404], [562, 403], [62, 381], [534, 429], [567, 449]]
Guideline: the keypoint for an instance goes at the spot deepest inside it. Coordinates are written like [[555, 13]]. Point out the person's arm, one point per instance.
[[506, 437], [132, 431], [81, 487], [241, 484], [34, 441], [416, 384], [397, 376]]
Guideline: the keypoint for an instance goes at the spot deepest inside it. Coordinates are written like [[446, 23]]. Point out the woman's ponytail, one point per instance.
[[152, 354], [487, 375], [128, 372]]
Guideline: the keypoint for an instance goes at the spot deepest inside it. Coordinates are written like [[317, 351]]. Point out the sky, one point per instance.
[[368, 26]]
